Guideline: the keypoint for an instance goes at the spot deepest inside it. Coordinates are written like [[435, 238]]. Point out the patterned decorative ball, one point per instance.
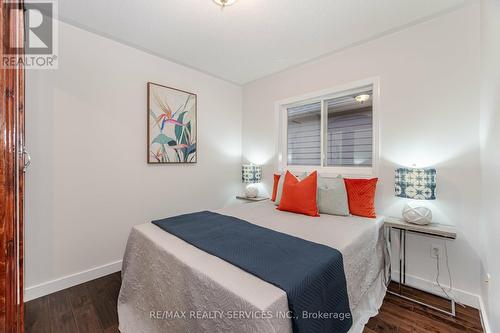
[[417, 214], [251, 191]]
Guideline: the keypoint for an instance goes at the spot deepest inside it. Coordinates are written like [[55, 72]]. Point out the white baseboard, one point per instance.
[[64, 282], [461, 296], [484, 316]]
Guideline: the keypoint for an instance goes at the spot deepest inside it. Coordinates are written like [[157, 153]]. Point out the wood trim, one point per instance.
[[11, 173], [21, 191]]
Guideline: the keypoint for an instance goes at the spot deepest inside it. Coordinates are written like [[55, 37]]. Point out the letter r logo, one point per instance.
[[39, 25], [35, 20], [36, 45]]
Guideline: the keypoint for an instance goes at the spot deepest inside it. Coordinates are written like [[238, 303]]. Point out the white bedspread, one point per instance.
[[168, 284]]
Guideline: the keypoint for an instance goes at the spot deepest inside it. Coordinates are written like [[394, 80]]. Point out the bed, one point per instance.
[[169, 285]]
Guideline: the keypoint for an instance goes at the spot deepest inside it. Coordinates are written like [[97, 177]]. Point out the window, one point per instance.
[[334, 131], [350, 131], [304, 134]]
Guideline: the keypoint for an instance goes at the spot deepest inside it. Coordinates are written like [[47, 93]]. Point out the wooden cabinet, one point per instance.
[[12, 166]]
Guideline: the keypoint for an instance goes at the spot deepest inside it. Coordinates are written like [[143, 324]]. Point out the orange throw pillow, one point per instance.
[[300, 196], [275, 186], [361, 195]]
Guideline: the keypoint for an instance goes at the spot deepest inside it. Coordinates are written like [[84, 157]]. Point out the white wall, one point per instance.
[[86, 131], [429, 83], [89, 182], [490, 158]]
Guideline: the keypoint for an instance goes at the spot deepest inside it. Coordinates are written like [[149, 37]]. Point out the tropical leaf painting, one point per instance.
[[171, 125]]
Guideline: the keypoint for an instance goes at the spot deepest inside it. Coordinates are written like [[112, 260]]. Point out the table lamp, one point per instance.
[[416, 184], [251, 174]]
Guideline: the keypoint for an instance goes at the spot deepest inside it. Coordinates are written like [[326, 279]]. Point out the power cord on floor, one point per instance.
[[449, 292]]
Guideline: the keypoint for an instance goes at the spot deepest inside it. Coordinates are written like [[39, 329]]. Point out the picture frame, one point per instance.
[[172, 125]]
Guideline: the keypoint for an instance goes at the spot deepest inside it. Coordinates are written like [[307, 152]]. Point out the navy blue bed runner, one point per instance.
[[311, 274]]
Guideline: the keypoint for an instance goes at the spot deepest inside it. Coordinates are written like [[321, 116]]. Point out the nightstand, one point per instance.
[[432, 230], [256, 199]]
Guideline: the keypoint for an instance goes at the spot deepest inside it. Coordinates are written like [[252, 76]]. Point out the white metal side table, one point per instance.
[[433, 230]]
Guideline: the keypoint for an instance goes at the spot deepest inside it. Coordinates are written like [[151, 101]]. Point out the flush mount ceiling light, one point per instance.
[[225, 3], [362, 98]]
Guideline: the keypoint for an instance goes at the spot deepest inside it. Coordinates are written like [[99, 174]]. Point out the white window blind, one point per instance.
[[347, 136], [304, 134], [350, 136]]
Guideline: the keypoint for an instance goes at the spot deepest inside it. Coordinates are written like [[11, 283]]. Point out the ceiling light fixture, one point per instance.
[[362, 98], [225, 3]]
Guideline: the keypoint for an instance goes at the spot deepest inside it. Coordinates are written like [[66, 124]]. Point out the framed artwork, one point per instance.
[[171, 125]]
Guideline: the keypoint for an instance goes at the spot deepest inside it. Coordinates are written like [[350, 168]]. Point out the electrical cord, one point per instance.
[[449, 292]]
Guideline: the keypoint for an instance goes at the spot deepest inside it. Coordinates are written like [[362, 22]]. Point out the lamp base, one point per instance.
[[251, 191], [417, 214]]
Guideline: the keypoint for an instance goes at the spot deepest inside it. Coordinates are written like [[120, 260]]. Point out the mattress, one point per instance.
[[169, 285]]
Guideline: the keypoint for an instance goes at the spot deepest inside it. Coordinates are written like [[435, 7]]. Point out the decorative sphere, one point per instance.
[[417, 214], [251, 191]]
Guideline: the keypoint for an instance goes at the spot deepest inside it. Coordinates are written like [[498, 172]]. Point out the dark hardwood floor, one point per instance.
[[402, 316], [88, 307], [91, 307]]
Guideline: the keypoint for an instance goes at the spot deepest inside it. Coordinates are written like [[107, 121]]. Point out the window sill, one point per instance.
[[330, 172]]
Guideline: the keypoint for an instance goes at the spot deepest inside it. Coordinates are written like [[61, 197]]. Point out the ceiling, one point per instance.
[[252, 38]]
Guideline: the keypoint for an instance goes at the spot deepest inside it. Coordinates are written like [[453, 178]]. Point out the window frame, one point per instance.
[[323, 96]]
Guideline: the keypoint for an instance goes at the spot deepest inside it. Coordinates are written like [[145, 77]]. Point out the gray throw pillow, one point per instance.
[[332, 196]]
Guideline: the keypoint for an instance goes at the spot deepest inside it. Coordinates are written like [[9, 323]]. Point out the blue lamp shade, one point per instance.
[[251, 173], [417, 184]]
